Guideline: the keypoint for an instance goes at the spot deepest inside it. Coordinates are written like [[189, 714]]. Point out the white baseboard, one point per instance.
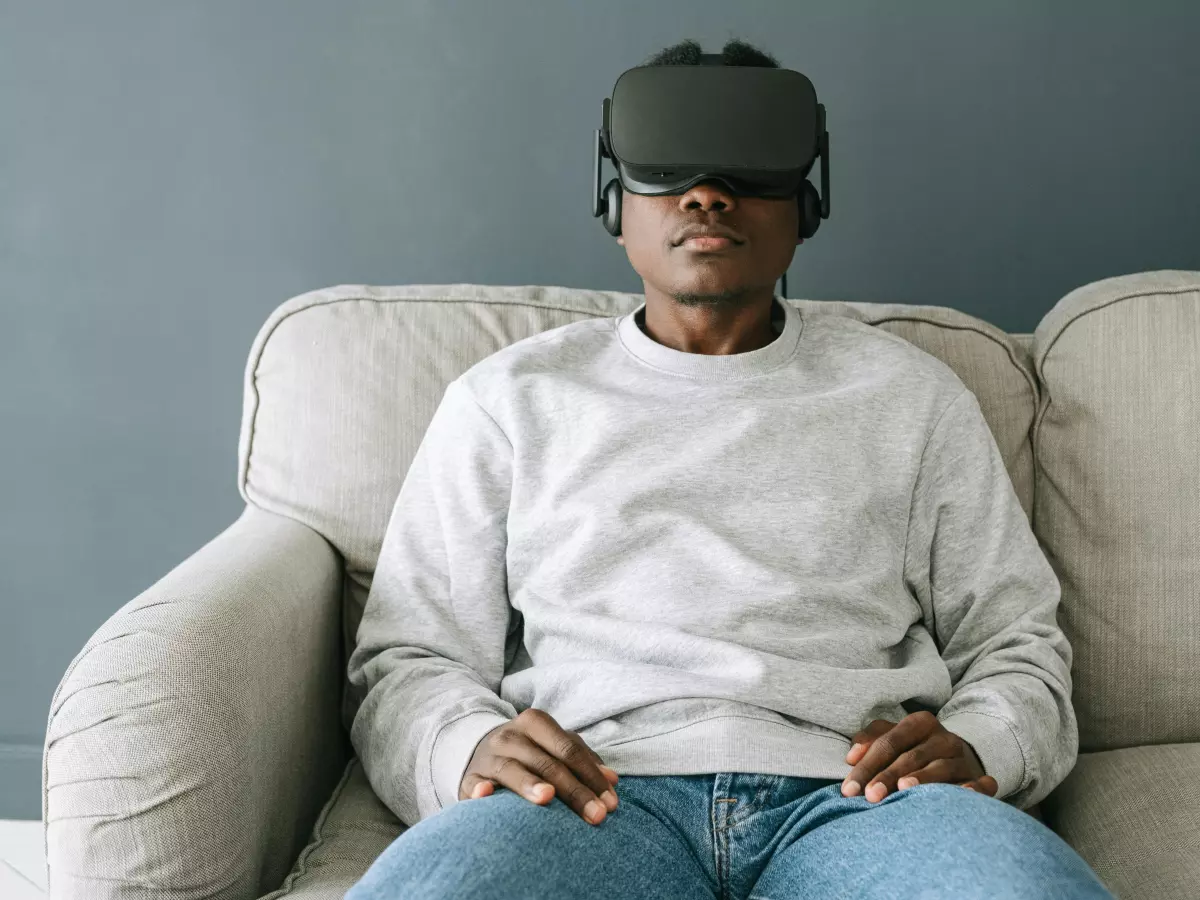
[[22, 860]]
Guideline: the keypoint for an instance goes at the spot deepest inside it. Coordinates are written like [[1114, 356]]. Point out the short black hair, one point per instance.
[[735, 53]]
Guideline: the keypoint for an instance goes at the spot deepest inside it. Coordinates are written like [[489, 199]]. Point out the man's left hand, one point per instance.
[[889, 756]]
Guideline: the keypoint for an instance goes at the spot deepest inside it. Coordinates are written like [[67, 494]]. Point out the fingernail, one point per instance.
[[594, 811], [905, 783], [610, 800], [539, 790], [877, 791], [851, 789]]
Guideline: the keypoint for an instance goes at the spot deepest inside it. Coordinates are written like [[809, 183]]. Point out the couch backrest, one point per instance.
[[341, 383], [1117, 500]]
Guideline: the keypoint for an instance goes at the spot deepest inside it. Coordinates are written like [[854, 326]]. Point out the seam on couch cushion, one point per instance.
[[322, 297], [1009, 349], [1037, 360], [264, 338], [1153, 292], [318, 837]]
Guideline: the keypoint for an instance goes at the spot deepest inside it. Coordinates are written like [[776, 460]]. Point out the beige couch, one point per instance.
[[197, 744]]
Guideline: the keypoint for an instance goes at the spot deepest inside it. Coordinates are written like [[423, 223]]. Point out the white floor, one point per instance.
[[22, 861]]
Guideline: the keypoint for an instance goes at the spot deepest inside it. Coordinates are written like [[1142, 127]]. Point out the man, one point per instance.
[[714, 599]]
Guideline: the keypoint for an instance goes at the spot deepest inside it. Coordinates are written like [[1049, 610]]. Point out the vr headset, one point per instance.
[[758, 130]]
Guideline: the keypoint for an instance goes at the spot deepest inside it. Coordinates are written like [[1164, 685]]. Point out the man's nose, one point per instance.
[[708, 193]]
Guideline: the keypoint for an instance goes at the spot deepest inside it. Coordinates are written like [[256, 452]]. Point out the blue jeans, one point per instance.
[[732, 835]]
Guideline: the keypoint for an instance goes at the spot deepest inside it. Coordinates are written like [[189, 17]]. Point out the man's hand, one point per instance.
[[917, 750], [534, 757]]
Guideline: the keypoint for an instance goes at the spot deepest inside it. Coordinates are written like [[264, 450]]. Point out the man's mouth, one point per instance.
[[708, 244]]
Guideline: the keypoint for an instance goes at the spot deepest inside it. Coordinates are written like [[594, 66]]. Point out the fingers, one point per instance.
[[945, 768], [863, 739], [581, 762], [940, 746], [610, 774], [949, 771], [475, 786], [889, 757], [883, 751], [984, 784], [536, 758], [525, 768], [532, 755], [946, 771]]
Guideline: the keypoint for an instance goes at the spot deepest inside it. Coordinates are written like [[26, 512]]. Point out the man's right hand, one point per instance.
[[533, 756]]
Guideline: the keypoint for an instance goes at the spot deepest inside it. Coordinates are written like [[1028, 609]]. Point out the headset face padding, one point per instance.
[[808, 200]]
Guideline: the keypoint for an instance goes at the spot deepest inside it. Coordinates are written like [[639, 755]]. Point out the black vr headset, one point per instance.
[[758, 130]]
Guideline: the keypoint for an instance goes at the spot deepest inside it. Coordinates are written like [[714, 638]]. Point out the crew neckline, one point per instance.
[[722, 367]]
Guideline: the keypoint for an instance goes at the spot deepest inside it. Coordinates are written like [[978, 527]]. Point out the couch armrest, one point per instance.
[[193, 740]]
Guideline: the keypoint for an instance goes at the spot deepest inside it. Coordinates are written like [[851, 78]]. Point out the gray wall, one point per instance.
[[171, 172]]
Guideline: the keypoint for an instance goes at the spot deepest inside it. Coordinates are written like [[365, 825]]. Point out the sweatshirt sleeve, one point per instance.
[[990, 596], [431, 646]]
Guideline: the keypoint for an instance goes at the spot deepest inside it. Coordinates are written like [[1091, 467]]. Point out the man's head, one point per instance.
[[765, 231]]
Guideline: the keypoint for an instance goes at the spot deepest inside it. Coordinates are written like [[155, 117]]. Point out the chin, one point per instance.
[[701, 294]]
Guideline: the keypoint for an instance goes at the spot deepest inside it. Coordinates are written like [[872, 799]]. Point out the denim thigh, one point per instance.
[[504, 847], [930, 841], [733, 836]]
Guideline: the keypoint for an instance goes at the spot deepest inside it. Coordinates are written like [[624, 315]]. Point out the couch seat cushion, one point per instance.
[[1134, 815]]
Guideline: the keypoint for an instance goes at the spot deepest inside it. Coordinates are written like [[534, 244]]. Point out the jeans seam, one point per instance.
[[720, 843], [760, 800], [725, 864]]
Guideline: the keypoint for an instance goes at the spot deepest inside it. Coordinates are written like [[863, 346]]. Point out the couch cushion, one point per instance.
[[1117, 500], [352, 830], [341, 383], [1134, 815]]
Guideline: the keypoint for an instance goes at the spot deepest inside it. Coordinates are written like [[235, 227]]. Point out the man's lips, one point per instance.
[[707, 244], [708, 237]]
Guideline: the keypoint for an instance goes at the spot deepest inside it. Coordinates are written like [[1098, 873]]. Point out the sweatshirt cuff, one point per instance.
[[453, 748], [996, 746]]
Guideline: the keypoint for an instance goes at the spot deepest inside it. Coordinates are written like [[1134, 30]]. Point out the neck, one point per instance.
[[710, 324]]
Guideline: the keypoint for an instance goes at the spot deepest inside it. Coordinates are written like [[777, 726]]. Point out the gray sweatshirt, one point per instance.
[[709, 563]]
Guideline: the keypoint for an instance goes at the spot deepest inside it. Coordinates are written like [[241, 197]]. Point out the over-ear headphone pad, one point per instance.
[[810, 210], [612, 207]]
